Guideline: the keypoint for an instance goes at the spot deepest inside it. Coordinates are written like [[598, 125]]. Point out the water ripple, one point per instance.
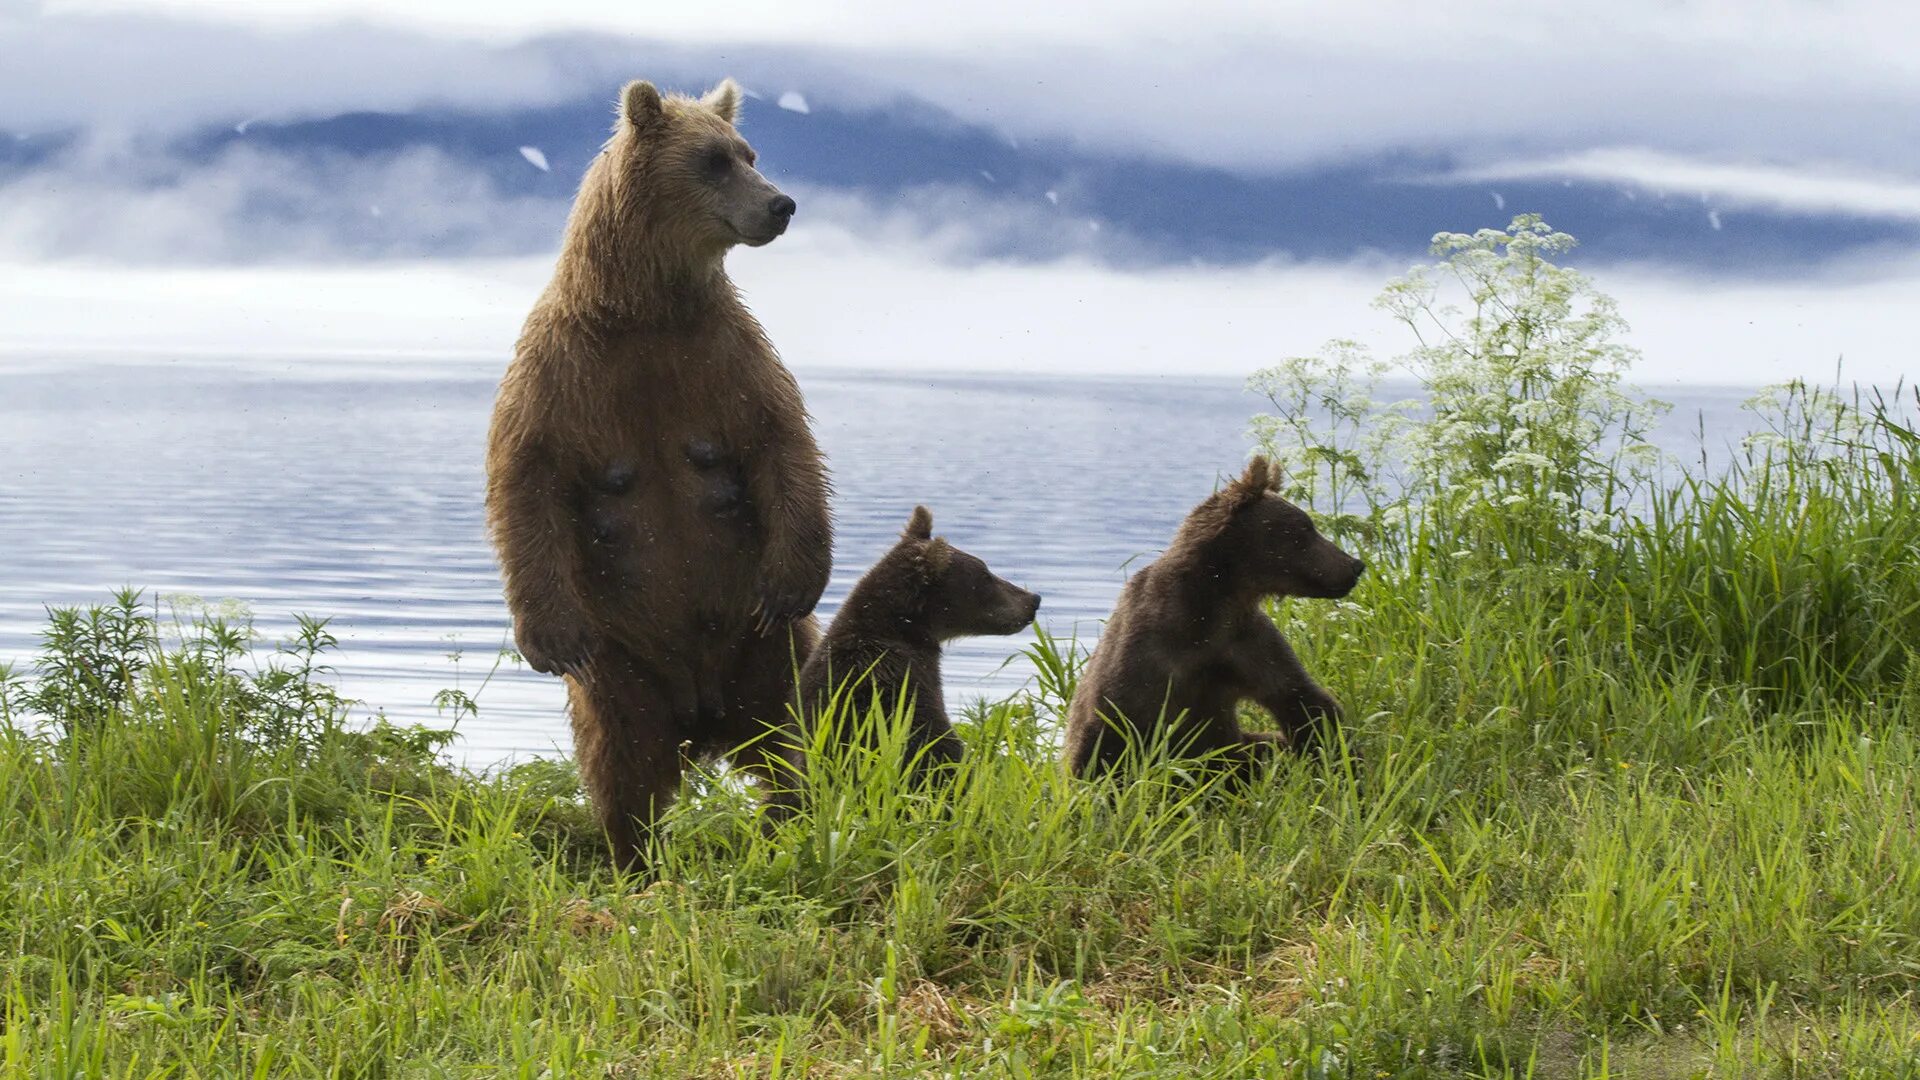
[[355, 492]]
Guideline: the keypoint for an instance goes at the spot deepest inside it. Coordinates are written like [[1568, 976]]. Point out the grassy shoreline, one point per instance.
[[1647, 816], [1627, 791]]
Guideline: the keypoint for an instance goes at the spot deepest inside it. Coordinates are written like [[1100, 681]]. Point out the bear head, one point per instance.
[[1267, 545], [957, 594], [676, 184]]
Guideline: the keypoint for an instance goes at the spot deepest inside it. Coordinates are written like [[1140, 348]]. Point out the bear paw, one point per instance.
[[776, 607], [562, 649]]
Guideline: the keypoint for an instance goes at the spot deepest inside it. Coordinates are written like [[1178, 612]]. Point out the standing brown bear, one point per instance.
[[654, 492], [1188, 642], [885, 641]]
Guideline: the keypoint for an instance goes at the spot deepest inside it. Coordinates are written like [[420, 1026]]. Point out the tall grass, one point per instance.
[[1639, 806]]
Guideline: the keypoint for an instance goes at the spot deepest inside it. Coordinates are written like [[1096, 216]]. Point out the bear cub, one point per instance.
[[1188, 641], [885, 641]]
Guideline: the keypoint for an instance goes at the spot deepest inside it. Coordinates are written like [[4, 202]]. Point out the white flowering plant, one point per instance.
[[1519, 440]]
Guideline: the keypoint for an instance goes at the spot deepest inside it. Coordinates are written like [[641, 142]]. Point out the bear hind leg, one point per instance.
[[629, 756]]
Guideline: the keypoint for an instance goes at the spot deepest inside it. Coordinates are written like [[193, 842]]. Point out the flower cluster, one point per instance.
[[1516, 425]]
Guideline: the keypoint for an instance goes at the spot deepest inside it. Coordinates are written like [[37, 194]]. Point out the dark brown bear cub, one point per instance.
[[885, 641], [1188, 642]]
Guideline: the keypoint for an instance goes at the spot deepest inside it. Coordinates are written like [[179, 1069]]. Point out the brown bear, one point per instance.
[[654, 492], [885, 641], [1188, 641]]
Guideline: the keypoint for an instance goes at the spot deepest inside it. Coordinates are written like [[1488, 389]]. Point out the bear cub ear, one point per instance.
[[640, 103], [1255, 478], [1261, 477], [920, 525], [724, 100], [1274, 476]]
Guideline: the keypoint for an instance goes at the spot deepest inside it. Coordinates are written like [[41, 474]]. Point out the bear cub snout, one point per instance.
[[885, 641]]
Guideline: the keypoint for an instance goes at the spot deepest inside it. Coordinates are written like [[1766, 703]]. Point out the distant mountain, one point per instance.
[[1168, 212]]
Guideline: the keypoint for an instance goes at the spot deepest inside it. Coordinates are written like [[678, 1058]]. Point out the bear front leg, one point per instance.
[[628, 750], [1302, 713], [789, 487], [1279, 683], [932, 743], [530, 511], [930, 751]]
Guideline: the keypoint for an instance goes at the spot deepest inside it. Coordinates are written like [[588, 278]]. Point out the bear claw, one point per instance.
[[553, 654], [778, 608]]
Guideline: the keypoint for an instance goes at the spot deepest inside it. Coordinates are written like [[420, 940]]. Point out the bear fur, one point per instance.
[[885, 641], [1188, 641], [654, 491]]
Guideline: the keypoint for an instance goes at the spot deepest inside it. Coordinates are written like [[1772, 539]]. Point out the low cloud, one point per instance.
[[128, 200], [1726, 184], [960, 226], [831, 297], [121, 200]]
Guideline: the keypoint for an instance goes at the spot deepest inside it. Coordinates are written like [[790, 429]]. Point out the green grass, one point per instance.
[[1644, 812]]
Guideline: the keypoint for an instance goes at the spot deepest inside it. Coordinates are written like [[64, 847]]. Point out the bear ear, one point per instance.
[[640, 103], [724, 100], [1256, 479], [920, 525]]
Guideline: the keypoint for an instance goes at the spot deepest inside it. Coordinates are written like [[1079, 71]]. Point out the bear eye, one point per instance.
[[717, 162]]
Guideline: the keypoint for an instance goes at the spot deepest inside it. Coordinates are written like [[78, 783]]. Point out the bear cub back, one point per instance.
[[1188, 641], [885, 641]]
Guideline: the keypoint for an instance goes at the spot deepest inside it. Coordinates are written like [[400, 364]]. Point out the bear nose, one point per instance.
[[782, 206]]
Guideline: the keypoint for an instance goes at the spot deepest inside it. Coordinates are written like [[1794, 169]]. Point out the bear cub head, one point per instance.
[[681, 158], [1267, 545], [950, 593]]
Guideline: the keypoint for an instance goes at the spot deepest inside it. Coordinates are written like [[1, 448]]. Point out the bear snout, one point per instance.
[[760, 216], [1026, 609], [1352, 579], [1017, 609], [780, 210]]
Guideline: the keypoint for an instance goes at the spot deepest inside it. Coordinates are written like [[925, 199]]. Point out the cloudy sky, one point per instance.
[[1116, 187]]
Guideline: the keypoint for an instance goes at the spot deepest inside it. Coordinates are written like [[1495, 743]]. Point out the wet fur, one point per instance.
[[1188, 642], [654, 492], [885, 642]]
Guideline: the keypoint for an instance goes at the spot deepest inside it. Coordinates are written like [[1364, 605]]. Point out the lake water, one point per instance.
[[352, 489]]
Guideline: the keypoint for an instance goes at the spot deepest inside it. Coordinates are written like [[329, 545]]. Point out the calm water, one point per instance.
[[353, 490]]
